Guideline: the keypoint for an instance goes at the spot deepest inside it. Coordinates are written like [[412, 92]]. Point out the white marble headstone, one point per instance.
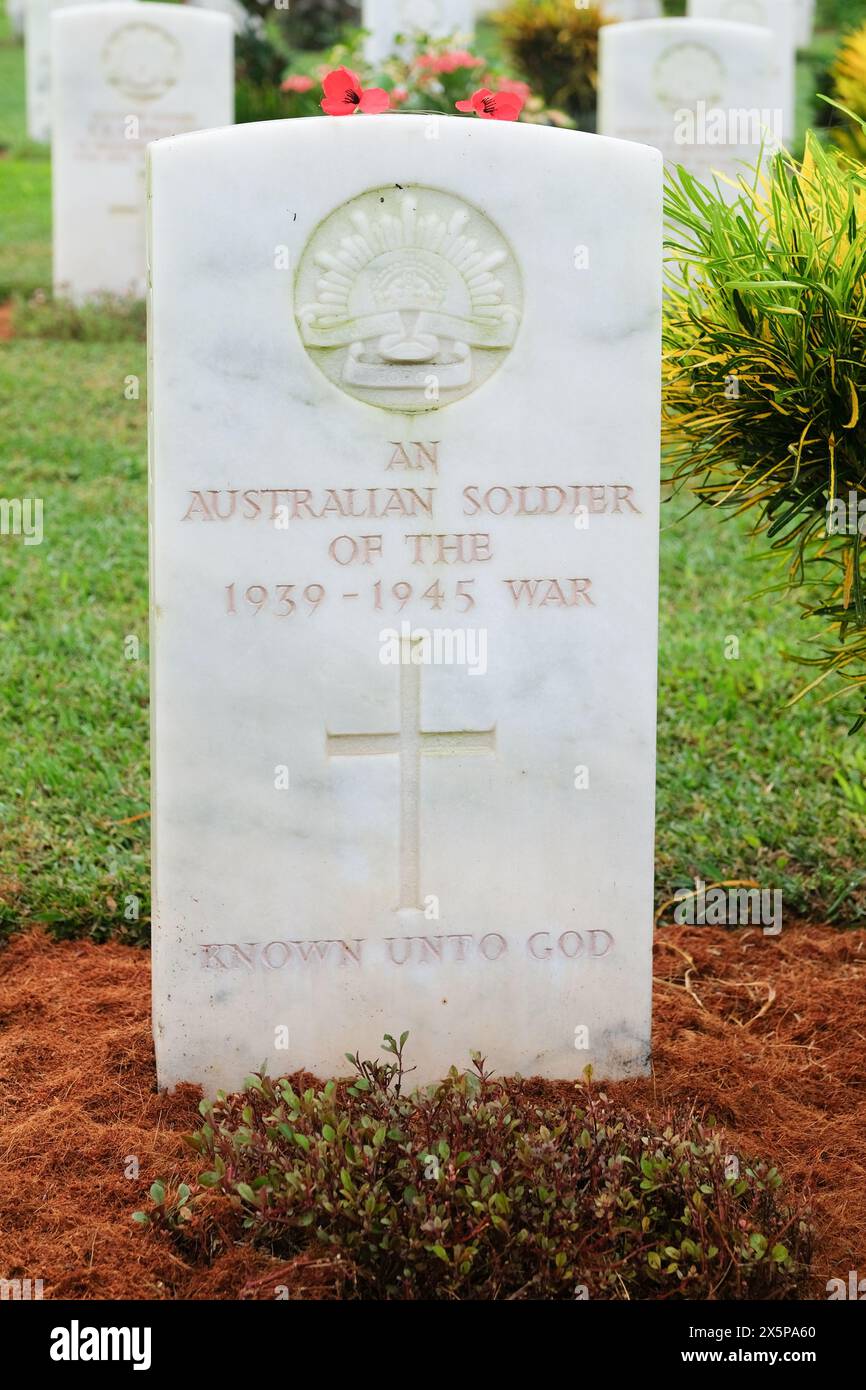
[[405, 478], [780, 17], [706, 93], [386, 19], [15, 14], [805, 22], [124, 74], [37, 41], [631, 9]]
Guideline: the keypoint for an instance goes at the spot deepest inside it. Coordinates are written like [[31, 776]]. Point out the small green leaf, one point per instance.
[[329, 1133], [157, 1192]]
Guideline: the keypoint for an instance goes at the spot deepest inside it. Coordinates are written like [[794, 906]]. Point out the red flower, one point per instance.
[[493, 106], [344, 95], [296, 83]]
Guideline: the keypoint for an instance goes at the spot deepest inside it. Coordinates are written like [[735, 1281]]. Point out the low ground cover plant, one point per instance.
[[478, 1188]]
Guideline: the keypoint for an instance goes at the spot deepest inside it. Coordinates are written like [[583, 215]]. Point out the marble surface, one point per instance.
[[124, 74], [781, 17], [385, 19], [404, 440], [709, 94]]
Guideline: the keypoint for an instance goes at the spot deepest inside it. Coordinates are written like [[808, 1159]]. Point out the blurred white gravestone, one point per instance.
[[37, 41], [15, 13], [805, 22], [631, 9], [404, 594], [124, 74], [708, 94], [438, 19], [780, 17]]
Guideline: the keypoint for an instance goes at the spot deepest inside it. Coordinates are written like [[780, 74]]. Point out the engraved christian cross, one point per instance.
[[409, 744]]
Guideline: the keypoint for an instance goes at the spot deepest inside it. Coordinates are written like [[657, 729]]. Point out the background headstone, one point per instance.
[[780, 17], [805, 22], [631, 9], [388, 396], [681, 84], [385, 19], [15, 13], [37, 40], [124, 74]]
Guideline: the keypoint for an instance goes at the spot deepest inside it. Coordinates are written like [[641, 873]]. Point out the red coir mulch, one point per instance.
[[768, 1033]]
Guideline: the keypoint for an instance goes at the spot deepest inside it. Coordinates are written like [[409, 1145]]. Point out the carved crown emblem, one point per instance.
[[142, 61], [414, 296], [687, 73]]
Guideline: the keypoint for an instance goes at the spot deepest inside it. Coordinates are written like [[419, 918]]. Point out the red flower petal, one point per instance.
[[507, 106], [340, 81], [464, 106], [338, 106], [342, 92], [374, 101]]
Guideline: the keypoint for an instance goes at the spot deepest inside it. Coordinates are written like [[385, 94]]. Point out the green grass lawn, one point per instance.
[[73, 737], [746, 788]]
